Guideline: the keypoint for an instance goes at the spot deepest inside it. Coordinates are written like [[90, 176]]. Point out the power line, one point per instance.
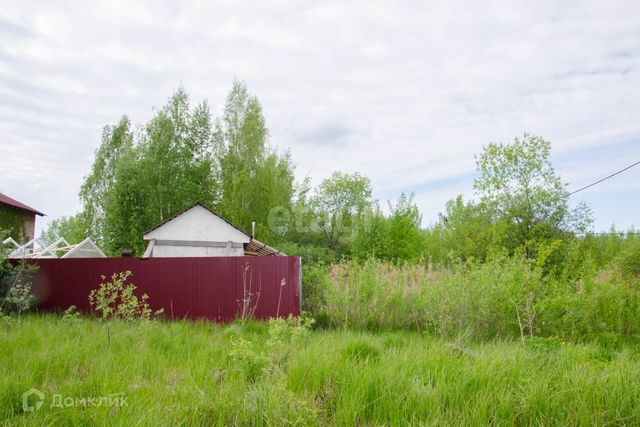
[[604, 179]]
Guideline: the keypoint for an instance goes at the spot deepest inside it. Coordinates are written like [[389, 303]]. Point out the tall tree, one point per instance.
[[254, 178], [176, 160], [520, 187], [117, 142], [136, 183], [339, 202]]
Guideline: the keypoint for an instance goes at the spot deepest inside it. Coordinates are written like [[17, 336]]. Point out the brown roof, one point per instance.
[[257, 248], [16, 204]]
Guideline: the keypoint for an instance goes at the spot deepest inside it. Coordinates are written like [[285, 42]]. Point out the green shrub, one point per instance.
[[251, 361], [71, 314], [115, 299], [282, 335], [312, 287], [20, 297], [629, 258], [605, 308], [15, 283]]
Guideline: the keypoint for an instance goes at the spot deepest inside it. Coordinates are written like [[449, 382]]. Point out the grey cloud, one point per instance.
[[326, 135], [405, 92], [9, 29]]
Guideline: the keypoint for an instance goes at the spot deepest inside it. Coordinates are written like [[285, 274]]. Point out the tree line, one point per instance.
[[142, 175]]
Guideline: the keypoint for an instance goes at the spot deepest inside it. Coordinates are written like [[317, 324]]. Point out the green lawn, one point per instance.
[[205, 374]]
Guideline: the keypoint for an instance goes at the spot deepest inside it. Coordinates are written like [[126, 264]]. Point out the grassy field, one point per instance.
[[258, 374]]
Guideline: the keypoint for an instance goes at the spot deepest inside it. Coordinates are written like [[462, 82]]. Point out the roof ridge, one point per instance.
[[198, 203], [16, 204]]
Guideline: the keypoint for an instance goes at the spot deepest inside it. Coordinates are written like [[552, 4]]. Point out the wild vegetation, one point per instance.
[[504, 298], [509, 310], [182, 373]]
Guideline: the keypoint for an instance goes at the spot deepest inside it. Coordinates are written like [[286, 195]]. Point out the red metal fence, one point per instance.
[[194, 288]]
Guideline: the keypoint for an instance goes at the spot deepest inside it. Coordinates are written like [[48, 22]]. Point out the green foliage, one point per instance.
[[311, 254], [254, 179], [180, 157], [69, 227], [12, 223], [71, 314], [313, 287], [6, 268], [251, 361], [115, 299], [521, 190], [20, 298], [97, 188], [283, 334], [604, 308], [338, 203], [181, 374], [404, 239], [505, 297], [629, 258], [138, 180], [396, 238], [15, 286], [468, 232]]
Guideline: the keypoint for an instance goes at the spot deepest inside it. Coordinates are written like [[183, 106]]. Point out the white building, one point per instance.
[[199, 232]]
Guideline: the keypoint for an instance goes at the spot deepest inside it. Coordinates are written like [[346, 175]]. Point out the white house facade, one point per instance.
[[196, 232]]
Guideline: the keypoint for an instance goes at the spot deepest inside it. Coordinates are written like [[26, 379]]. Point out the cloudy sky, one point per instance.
[[404, 92]]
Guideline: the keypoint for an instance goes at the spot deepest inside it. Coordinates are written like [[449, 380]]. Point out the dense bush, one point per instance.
[[629, 258]]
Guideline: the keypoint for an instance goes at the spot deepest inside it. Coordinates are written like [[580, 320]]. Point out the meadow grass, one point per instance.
[[502, 298], [185, 373]]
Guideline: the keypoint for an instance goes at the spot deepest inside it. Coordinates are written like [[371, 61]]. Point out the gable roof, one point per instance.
[[83, 248], [16, 204], [188, 209]]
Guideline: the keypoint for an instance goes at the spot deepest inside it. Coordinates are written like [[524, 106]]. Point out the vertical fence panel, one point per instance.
[[194, 288]]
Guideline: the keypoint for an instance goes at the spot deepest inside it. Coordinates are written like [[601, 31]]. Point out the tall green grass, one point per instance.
[[507, 297], [197, 374]]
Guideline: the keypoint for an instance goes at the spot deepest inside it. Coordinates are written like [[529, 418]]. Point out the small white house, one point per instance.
[[199, 232]]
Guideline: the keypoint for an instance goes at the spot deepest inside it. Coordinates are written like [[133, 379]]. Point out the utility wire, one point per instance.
[[604, 179]]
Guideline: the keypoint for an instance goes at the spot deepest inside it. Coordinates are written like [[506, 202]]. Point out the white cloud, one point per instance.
[[405, 93]]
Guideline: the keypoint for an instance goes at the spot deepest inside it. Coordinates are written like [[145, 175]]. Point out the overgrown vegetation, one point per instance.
[[198, 374], [15, 284], [496, 314], [505, 297], [12, 223]]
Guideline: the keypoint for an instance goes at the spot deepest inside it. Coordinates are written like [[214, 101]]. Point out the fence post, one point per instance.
[[300, 286]]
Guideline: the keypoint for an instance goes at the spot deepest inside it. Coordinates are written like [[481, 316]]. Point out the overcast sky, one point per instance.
[[403, 92]]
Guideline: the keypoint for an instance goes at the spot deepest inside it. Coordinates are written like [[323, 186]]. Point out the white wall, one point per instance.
[[194, 251], [197, 225]]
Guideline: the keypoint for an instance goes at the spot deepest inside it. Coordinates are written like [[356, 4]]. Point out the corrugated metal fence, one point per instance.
[[194, 288]]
